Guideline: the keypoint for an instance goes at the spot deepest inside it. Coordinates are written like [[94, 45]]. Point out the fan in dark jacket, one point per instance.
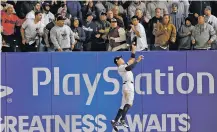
[[89, 28], [79, 35], [157, 18], [100, 42], [184, 35], [46, 40]]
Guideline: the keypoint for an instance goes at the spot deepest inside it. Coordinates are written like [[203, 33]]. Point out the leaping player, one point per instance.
[[125, 71]]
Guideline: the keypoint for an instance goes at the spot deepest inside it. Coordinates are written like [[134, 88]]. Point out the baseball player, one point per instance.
[[125, 71]]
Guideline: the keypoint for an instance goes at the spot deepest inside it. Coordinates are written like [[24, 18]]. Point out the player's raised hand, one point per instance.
[[140, 58]]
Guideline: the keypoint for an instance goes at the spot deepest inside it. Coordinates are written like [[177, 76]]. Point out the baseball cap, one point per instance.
[[208, 8], [113, 20], [175, 4], [61, 18], [116, 59], [89, 14], [103, 13], [46, 4]]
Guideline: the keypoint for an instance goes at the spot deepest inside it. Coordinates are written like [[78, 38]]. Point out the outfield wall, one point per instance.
[[81, 92]]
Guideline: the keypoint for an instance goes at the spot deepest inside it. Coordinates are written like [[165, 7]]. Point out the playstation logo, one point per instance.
[[5, 91]]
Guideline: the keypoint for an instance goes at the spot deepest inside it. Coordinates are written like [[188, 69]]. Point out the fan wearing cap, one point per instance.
[[209, 18], [116, 36], [89, 28], [47, 15], [184, 35], [79, 35], [103, 26], [125, 71], [46, 40], [62, 36]]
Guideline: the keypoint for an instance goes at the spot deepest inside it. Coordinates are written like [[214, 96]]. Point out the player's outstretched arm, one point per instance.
[[130, 67], [132, 58]]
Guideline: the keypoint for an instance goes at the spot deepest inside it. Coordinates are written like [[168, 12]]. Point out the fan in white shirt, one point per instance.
[[209, 18], [31, 14], [47, 16], [138, 31]]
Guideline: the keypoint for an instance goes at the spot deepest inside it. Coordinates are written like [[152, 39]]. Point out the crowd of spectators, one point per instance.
[[112, 25]]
